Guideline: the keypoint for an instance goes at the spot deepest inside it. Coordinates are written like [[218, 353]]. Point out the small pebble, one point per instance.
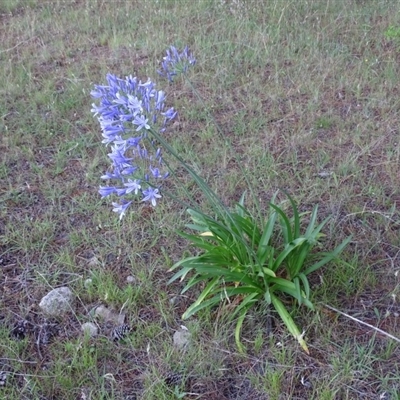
[[174, 300], [88, 282], [181, 339], [90, 329]]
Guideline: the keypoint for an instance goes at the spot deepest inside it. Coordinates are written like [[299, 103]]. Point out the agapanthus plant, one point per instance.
[[256, 259]]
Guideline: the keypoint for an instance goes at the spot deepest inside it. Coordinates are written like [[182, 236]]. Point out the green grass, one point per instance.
[[298, 88]]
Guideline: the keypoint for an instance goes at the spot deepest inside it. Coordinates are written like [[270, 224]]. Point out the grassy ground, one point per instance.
[[307, 92]]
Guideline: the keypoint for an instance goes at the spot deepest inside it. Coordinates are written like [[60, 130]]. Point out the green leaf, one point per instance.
[[286, 286], [199, 241], [180, 274], [263, 250], [285, 224], [314, 235], [283, 283], [329, 257], [288, 321], [312, 221], [230, 276], [306, 285], [193, 282], [238, 330], [296, 218], [267, 296], [197, 227], [246, 303], [287, 250], [297, 258], [181, 262], [234, 291], [266, 271], [195, 308], [299, 296], [247, 226], [203, 294]]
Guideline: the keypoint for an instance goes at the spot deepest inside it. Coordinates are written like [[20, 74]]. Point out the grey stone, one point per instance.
[[107, 315], [130, 279], [181, 339], [90, 329], [88, 283], [57, 302]]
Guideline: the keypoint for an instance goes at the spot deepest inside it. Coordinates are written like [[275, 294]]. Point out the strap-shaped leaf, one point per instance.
[[195, 307], [296, 259], [200, 241], [230, 291], [266, 271], [267, 296], [285, 286], [312, 221], [288, 321], [296, 218], [313, 236], [287, 250], [263, 250], [285, 224], [182, 262], [204, 294], [247, 226], [305, 283], [180, 274], [246, 303], [328, 257], [283, 283], [229, 276], [299, 296], [193, 282], [238, 328]]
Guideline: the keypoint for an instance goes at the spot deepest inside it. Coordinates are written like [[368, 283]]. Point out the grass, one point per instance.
[[306, 92]]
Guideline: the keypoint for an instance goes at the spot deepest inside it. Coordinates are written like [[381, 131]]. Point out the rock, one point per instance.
[[130, 279], [107, 315], [93, 261], [88, 282], [174, 301], [57, 302], [181, 339], [90, 329]]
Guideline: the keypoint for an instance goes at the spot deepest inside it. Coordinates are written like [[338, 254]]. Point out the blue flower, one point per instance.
[[151, 195], [116, 174], [175, 62], [118, 157], [107, 190], [121, 208], [170, 114], [141, 122], [133, 186], [155, 172], [160, 98]]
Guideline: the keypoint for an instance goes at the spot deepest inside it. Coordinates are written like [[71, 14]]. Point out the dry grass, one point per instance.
[[307, 93]]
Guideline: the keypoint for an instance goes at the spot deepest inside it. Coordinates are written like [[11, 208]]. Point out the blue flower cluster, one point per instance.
[[175, 62], [128, 111]]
